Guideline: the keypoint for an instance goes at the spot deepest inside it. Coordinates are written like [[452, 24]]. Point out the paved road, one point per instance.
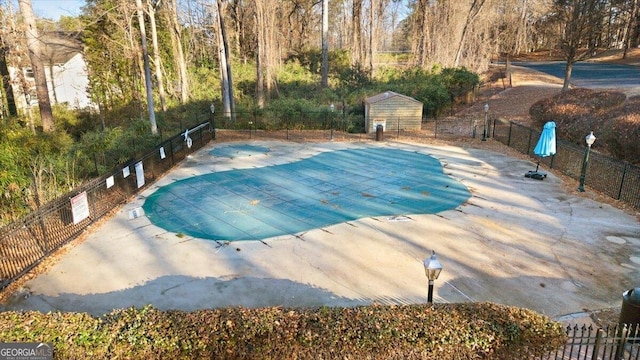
[[591, 75]]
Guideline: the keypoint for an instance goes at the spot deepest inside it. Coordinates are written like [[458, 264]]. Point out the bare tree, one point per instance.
[[178, 54], [7, 37], [633, 19], [35, 55], [372, 31], [325, 44], [578, 20], [356, 38], [422, 36], [474, 10], [260, 52], [157, 61], [147, 70], [225, 66]]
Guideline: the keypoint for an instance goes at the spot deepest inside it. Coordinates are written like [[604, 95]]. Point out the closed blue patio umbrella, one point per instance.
[[546, 146]]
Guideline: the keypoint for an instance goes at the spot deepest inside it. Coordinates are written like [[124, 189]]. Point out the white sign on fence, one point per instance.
[[79, 207], [139, 174], [110, 181]]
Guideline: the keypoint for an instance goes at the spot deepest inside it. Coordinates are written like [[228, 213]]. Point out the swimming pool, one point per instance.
[[329, 188]]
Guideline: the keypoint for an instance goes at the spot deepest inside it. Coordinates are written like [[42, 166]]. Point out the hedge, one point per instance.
[[439, 331]]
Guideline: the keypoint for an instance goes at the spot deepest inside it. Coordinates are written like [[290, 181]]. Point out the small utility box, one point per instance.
[[393, 111]]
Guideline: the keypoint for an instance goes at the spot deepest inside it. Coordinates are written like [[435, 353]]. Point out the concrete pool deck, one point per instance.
[[516, 241]]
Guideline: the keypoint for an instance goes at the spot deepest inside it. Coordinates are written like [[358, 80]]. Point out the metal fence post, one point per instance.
[[435, 132], [331, 130], [596, 347], [624, 174], [624, 332], [509, 136]]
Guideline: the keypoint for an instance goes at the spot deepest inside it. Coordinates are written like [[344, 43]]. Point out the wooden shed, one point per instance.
[[393, 111]]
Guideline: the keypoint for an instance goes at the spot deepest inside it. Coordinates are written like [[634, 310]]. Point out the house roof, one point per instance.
[[59, 47], [387, 95]]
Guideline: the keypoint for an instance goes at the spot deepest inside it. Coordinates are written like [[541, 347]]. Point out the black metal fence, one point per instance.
[[619, 342], [323, 125], [617, 179], [25, 243]]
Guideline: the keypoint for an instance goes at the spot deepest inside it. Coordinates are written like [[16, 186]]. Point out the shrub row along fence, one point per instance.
[[25, 243], [619, 342]]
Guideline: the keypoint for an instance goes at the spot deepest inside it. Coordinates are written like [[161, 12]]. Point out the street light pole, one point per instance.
[[590, 139], [432, 269], [486, 115]]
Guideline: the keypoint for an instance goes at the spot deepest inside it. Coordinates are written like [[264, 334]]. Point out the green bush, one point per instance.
[[441, 331], [100, 151]]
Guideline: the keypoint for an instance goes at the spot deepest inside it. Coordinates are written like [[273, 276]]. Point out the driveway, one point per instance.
[[515, 241]]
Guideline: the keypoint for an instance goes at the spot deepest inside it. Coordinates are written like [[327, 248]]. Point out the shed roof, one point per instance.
[[388, 95]]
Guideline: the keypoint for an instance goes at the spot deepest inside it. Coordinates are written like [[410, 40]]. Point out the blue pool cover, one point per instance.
[[233, 151], [328, 188]]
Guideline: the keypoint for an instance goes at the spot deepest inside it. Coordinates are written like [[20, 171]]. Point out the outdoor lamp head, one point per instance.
[[590, 139], [486, 107], [432, 267], [212, 108]]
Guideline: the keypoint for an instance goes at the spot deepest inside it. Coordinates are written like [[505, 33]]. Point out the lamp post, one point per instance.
[[432, 269], [332, 107], [212, 108], [486, 115], [589, 139]]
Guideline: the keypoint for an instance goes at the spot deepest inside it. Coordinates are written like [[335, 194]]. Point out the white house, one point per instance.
[[66, 72]]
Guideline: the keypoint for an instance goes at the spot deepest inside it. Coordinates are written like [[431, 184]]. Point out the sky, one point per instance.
[[53, 9]]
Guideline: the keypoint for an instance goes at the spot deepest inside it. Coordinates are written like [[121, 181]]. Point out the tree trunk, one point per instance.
[[422, 28], [271, 51], [356, 38], [147, 70], [178, 53], [35, 56], [260, 44], [372, 30], [9, 103], [156, 56], [633, 18], [567, 74], [225, 67], [325, 44], [476, 6]]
